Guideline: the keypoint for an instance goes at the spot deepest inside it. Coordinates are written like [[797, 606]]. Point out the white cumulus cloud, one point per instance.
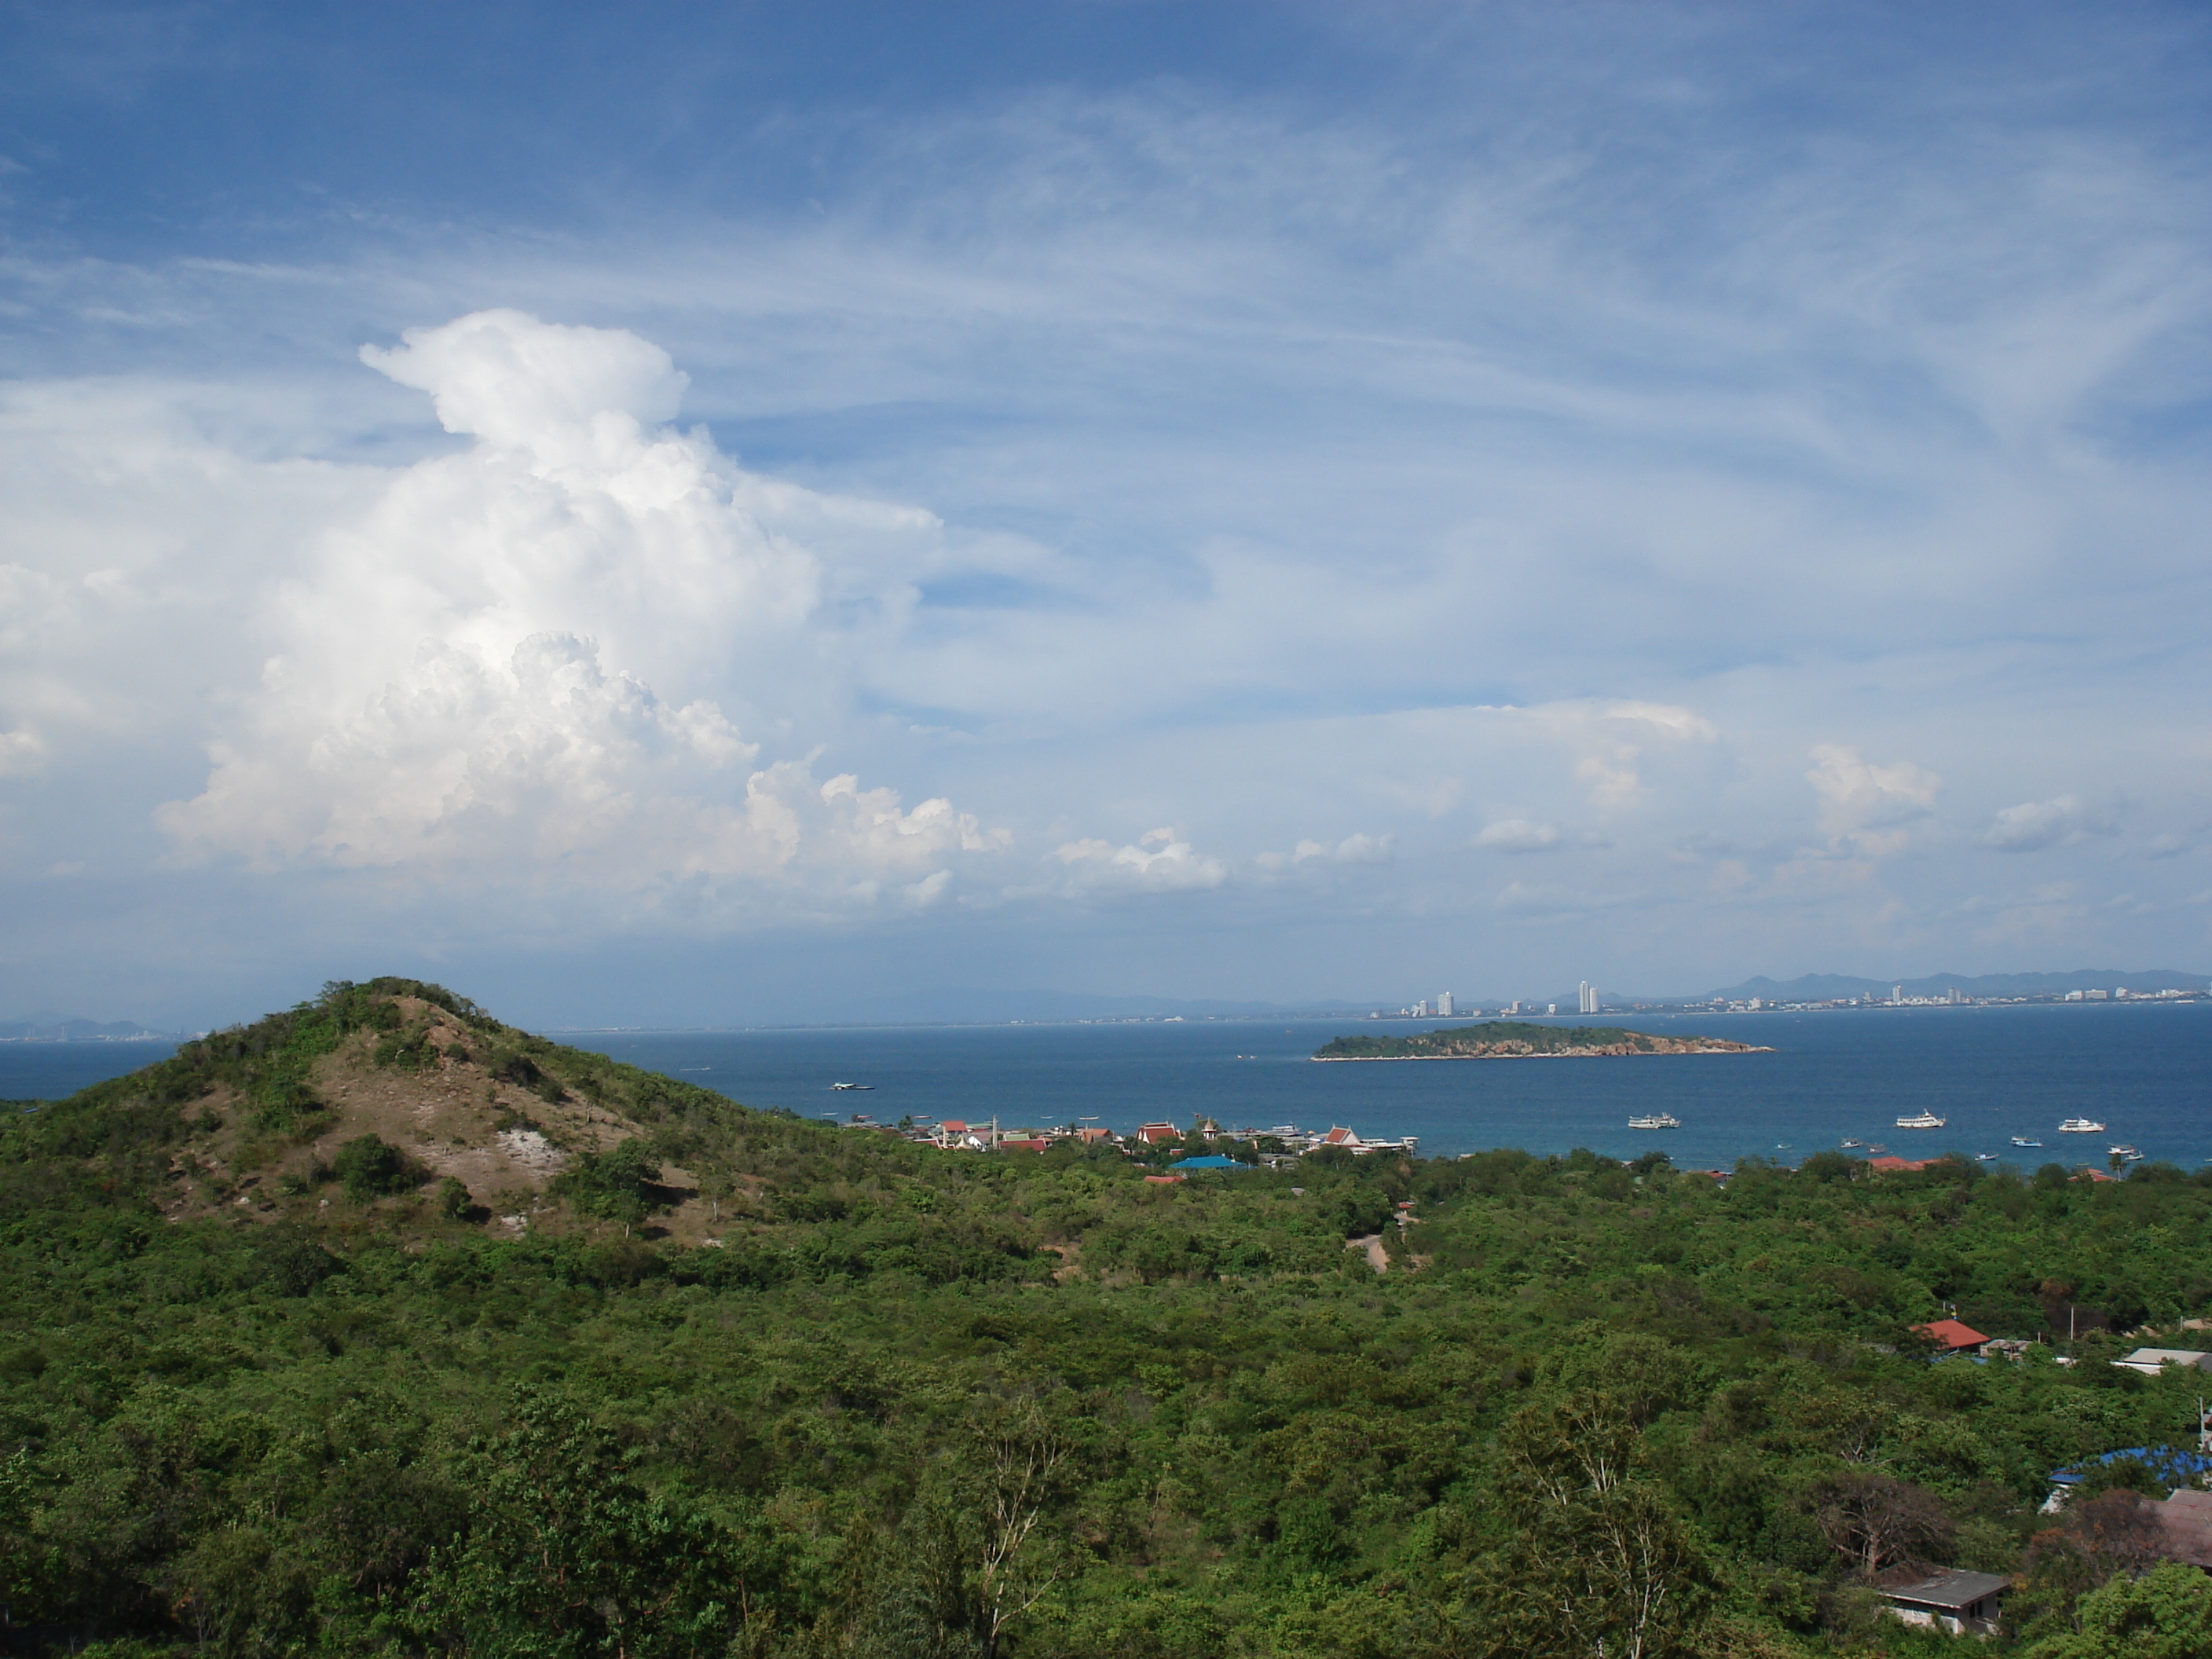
[[1518, 836], [2033, 825], [1863, 805], [1160, 860], [529, 657]]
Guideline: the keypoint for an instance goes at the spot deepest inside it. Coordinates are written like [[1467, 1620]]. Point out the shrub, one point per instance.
[[453, 1202], [371, 1166]]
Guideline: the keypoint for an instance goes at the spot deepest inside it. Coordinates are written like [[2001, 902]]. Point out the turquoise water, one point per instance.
[[2145, 1071]]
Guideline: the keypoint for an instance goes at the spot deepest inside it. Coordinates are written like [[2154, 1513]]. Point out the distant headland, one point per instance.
[[1510, 1039]]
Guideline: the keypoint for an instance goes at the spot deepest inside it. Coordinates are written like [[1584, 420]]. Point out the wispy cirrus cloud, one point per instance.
[[1395, 455]]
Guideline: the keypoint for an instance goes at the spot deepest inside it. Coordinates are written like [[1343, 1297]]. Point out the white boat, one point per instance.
[[840, 1088], [2081, 1125], [1855, 1142], [1985, 1157], [2127, 1152], [1656, 1120], [2022, 1140], [1925, 1120]]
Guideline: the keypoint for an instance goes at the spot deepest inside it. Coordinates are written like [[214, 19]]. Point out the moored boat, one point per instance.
[[2081, 1125], [2022, 1140], [1924, 1120], [1656, 1120]]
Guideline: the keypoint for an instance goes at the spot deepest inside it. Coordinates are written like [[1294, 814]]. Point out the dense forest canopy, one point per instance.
[[276, 1379]]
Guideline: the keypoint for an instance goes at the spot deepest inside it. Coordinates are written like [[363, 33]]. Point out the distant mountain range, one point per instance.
[[52, 1028], [1821, 988], [968, 1005], [957, 1006]]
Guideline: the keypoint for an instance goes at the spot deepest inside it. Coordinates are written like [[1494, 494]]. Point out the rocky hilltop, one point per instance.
[[397, 1105], [1507, 1039]]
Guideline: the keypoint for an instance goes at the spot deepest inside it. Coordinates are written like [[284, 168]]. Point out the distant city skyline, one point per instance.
[[710, 514]]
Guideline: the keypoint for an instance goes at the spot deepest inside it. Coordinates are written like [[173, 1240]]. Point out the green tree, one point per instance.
[[453, 1200], [617, 1184], [2165, 1614], [1600, 1562], [371, 1166], [567, 1556]]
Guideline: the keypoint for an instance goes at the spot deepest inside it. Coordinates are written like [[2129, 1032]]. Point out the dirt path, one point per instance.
[[1378, 1257]]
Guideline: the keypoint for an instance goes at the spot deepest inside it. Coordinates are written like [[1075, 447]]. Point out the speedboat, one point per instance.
[[1855, 1142], [1656, 1120], [2081, 1125], [1985, 1157], [2022, 1140], [2127, 1152], [1924, 1120], [843, 1088]]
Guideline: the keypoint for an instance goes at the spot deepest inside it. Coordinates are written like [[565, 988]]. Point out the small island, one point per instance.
[[1509, 1039]]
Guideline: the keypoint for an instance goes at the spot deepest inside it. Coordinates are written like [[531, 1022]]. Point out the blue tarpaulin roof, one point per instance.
[[2174, 1467]]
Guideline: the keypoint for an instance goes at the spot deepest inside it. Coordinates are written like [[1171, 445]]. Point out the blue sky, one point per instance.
[[718, 514]]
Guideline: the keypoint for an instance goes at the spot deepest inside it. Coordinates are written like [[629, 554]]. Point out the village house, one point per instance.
[[2184, 1524], [1962, 1603], [1952, 1337], [2174, 1467], [2151, 1361]]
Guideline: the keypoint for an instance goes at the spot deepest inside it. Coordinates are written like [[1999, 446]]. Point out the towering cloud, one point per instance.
[[528, 656]]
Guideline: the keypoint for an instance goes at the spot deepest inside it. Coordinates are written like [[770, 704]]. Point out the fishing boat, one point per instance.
[[1875, 1148], [1922, 1120], [2081, 1125], [2127, 1152], [1985, 1157], [1855, 1142], [2022, 1140], [843, 1088], [1656, 1120]]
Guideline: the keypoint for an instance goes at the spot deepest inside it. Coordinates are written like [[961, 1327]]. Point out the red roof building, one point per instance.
[[1891, 1164], [1152, 1133], [1025, 1144], [1952, 1336]]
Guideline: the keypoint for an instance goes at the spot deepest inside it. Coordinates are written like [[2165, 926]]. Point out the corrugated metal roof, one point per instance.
[[1949, 1591]]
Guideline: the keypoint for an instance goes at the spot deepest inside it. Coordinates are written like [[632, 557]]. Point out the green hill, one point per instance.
[[670, 1376]]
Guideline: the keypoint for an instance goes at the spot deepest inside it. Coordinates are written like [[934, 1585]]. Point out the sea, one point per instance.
[[2143, 1069]]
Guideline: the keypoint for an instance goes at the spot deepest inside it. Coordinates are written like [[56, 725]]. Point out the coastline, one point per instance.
[[1560, 1054]]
